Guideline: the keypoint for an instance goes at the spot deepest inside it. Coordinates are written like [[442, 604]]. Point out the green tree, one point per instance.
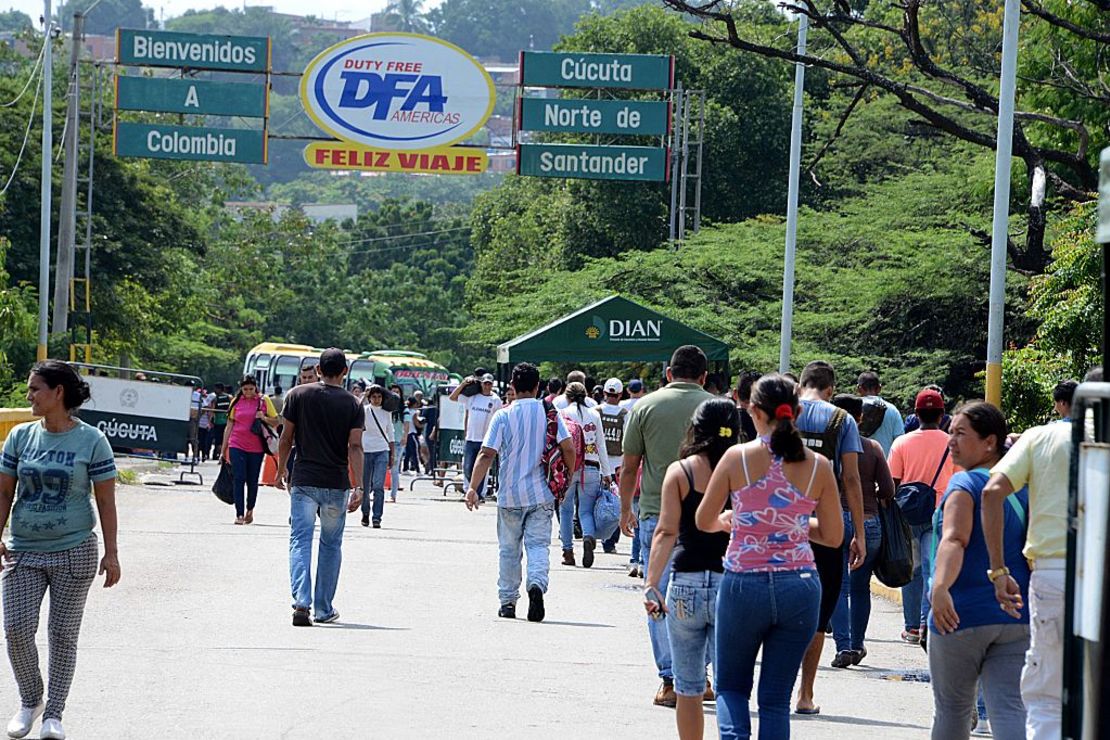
[[501, 29], [13, 21], [406, 15], [107, 16]]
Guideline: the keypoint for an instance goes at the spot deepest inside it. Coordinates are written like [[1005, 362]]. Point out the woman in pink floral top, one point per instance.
[[770, 594]]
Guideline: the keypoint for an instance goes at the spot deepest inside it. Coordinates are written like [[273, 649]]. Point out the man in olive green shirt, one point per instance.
[[653, 435]]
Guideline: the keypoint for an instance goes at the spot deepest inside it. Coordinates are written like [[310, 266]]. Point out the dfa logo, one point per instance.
[[398, 91]]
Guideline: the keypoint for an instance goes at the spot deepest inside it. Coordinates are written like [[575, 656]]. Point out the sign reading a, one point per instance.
[[192, 50], [189, 142], [337, 155], [399, 91], [594, 116], [593, 162], [571, 69], [202, 97]]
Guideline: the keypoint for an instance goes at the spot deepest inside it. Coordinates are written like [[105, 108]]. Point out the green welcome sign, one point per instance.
[[579, 69], [200, 97], [593, 162], [645, 117]]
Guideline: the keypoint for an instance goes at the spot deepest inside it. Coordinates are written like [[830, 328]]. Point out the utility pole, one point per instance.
[[1000, 226], [67, 211], [792, 202], [47, 157]]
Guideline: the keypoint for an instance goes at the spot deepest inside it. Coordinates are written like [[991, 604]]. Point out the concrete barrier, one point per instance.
[[893, 595], [10, 417]]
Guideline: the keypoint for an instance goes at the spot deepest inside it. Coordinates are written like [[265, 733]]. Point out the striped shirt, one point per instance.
[[518, 433]]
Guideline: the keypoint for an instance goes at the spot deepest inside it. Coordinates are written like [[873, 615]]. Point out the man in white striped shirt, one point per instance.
[[525, 505]]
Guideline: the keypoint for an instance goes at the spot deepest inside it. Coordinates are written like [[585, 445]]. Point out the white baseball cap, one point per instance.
[[614, 385], [487, 378]]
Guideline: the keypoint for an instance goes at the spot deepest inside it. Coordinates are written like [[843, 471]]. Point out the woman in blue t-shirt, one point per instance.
[[971, 638], [47, 469]]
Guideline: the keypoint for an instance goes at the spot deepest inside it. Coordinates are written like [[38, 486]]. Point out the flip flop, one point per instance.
[[815, 710]]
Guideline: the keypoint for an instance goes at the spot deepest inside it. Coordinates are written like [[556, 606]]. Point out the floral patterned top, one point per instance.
[[770, 522]]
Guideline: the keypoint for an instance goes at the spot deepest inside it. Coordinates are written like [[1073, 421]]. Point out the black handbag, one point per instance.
[[894, 563], [224, 484]]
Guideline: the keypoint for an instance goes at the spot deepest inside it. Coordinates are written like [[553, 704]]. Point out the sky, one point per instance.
[[344, 10]]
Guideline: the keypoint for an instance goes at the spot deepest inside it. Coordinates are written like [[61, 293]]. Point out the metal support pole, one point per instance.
[[792, 202], [684, 166], [47, 158], [1000, 226], [677, 98], [67, 209]]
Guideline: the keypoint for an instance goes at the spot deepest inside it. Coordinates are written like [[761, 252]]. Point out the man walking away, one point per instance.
[[613, 418], [480, 409], [881, 420], [326, 422], [574, 376], [656, 428], [830, 431], [1039, 459], [636, 391], [221, 404], [1062, 396], [525, 505], [921, 455], [431, 434]]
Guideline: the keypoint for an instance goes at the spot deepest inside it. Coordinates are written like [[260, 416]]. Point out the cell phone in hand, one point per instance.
[[653, 595]]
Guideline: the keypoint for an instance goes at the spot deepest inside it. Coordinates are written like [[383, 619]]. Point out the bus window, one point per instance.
[[285, 372], [261, 370], [361, 370]]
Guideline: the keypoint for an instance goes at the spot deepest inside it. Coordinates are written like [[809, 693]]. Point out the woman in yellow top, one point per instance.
[[243, 444]]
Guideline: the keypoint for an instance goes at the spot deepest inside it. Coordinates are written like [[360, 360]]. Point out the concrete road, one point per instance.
[[196, 641]]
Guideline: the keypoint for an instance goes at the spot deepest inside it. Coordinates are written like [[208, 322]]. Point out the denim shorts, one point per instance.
[[692, 601]]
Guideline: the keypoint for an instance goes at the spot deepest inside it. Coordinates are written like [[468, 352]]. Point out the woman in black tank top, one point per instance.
[[696, 569]]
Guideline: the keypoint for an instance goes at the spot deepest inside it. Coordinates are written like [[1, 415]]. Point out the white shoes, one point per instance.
[[23, 720], [52, 730]]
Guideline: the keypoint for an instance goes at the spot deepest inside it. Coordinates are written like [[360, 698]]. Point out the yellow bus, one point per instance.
[[276, 364]]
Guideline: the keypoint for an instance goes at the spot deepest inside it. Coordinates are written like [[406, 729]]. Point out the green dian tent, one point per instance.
[[613, 329]]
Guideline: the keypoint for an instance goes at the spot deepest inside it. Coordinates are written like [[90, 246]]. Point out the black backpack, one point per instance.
[[874, 411], [827, 442]]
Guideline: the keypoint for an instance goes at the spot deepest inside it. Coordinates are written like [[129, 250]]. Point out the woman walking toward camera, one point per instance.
[[697, 566], [48, 468], [243, 444], [971, 639], [770, 594]]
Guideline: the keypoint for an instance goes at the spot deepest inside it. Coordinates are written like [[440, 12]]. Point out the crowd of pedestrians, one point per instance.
[[755, 518]]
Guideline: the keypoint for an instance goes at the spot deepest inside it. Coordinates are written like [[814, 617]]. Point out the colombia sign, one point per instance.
[[397, 91]]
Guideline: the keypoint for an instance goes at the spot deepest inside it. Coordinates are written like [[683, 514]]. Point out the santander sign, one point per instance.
[[398, 91]]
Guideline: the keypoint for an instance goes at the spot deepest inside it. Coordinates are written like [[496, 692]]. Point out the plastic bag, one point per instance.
[[224, 484], [607, 514], [894, 564]]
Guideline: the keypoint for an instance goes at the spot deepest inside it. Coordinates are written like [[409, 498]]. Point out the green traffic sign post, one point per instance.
[[246, 146], [192, 50], [201, 97], [593, 162], [629, 71], [643, 117]]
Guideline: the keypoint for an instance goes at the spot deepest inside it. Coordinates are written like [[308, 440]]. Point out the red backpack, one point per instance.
[[554, 466]]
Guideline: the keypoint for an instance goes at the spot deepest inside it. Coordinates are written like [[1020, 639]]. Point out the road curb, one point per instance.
[[893, 595]]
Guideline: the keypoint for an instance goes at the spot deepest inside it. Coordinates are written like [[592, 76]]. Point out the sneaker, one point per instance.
[[858, 656], [301, 618], [366, 520], [665, 696], [609, 549], [328, 619], [568, 557], [634, 570], [52, 730], [982, 728], [240, 520], [843, 659], [23, 720], [507, 611], [377, 524], [588, 545], [249, 518], [535, 604], [911, 636], [709, 695]]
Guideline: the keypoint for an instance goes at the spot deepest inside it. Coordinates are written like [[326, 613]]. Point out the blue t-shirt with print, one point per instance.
[[54, 473]]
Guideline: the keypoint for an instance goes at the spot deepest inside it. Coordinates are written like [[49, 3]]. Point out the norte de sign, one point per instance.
[[569, 69], [646, 117]]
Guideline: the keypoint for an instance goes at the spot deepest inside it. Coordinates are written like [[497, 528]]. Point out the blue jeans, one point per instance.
[[657, 630], [635, 556], [395, 475], [245, 467], [692, 601], [778, 612], [373, 479], [853, 610], [305, 502], [521, 529], [586, 485], [470, 455], [915, 597]]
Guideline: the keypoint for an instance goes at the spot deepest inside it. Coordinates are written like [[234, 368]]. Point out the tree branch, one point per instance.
[[1035, 9], [836, 132]]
